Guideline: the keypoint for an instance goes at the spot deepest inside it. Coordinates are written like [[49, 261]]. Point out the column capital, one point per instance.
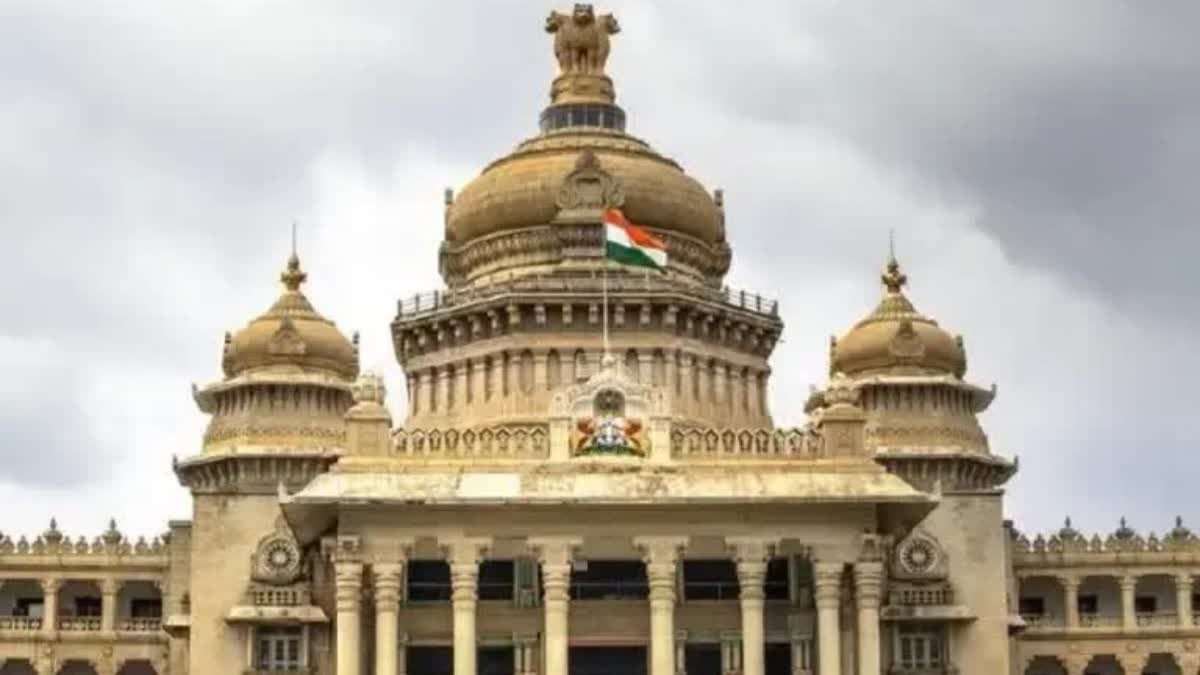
[[465, 551], [751, 549], [348, 582], [110, 586], [827, 584], [660, 551], [868, 584], [1184, 580], [387, 579], [50, 585], [1132, 662], [1128, 582], [554, 550], [1069, 581]]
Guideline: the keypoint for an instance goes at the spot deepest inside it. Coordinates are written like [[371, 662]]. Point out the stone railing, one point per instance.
[[1070, 542], [21, 624], [800, 443], [110, 544], [87, 624], [524, 442], [263, 595], [1157, 620], [140, 625], [1043, 621], [1088, 620], [917, 596], [423, 303]]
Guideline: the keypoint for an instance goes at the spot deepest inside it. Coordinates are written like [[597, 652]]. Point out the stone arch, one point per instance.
[[658, 369], [1046, 665], [1107, 664], [553, 369], [1162, 663], [77, 667], [17, 667], [138, 667]]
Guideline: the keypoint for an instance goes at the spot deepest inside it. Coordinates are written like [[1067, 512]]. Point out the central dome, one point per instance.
[[583, 126]]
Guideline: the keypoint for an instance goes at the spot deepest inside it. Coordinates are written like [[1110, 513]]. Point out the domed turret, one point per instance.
[[536, 209], [897, 339], [291, 335]]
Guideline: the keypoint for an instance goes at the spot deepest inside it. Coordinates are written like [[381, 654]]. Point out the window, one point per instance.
[[496, 580], [31, 607], [87, 606], [609, 579], [1145, 604], [710, 580], [279, 648], [919, 647], [428, 580], [776, 584], [1032, 606], [145, 608], [1088, 604]]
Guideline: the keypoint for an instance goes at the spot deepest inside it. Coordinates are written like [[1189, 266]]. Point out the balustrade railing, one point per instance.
[[610, 590], [529, 441], [421, 303], [21, 624], [1092, 620], [937, 595], [1157, 619], [140, 625], [715, 443], [89, 624]]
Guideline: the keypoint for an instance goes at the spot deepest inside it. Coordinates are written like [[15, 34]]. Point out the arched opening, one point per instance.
[[79, 606], [139, 607], [137, 667], [1099, 602], [1106, 664], [22, 603], [1041, 602], [631, 365], [77, 667], [1046, 665], [1163, 664], [17, 667], [553, 369], [1154, 601]]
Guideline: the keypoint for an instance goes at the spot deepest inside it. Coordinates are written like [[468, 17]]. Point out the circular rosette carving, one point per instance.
[[277, 559], [919, 556]]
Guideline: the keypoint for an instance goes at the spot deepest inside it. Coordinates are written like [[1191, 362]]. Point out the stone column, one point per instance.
[[50, 587], [109, 588], [388, 578], [1183, 599], [661, 555], [827, 580], [478, 380], [731, 653], [462, 371], [443, 389], [868, 578], [1070, 586], [464, 556], [751, 556], [1128, 616], [348, 580], [429, 390], [555, 555]]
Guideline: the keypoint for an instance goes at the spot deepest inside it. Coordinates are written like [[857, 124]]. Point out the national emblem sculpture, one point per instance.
[[581, 39]]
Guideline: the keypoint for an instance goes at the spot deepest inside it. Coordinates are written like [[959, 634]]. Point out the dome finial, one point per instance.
[[893, 277], [581, 46], [293, 276]]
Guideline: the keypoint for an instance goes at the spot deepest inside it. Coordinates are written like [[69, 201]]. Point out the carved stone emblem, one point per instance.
[[581, 39], [906, 343], [588, 190], [286, 341], [277, 559], [920, 558]]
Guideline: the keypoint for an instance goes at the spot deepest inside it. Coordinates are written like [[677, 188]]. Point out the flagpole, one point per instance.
[[604, 291]]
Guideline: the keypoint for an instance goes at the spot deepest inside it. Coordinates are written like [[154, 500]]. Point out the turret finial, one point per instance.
[[293, 276], [893, 277]]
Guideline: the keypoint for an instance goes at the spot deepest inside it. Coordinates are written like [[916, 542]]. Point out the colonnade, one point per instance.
[[661, 554]]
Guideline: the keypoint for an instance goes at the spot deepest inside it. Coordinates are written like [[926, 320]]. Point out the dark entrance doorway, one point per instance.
[[703, 659], [607, 661]]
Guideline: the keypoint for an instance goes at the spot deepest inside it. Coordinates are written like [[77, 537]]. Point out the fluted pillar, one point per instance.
[[1070, 586], [464, 556], [827, 580], [50, 587], [109, 588], [348, 581], [1183, 599], [661, 555], [555, 556], [388, 578], [868, 580], [1128, 614], [751, 557]]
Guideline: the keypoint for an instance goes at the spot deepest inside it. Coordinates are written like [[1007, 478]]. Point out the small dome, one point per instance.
[[896, 338], [291, 333], [523, 188]]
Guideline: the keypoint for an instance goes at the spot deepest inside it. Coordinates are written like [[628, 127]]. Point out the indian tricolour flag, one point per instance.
[[629, 244]]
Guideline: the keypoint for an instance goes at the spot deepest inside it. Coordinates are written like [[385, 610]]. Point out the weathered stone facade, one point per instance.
[[588, 478]]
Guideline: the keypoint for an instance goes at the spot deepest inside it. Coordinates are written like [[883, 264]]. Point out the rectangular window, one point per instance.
[[920, 648], [710, 580], [1145, 604], [145, 608], [496, 580], [609, 579], [279, 648], [428, 581], [87, 606], [776, 584], [1088, 604], [31, 607], [1033, 606]]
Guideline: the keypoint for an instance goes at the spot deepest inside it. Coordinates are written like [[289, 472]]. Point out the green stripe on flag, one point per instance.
[[628, 256]]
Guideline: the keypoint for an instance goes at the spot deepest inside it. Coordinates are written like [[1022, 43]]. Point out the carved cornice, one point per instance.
[[252, 473], [951, 471]]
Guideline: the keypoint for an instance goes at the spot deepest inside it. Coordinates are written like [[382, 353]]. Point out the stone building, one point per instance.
[[554, 503]]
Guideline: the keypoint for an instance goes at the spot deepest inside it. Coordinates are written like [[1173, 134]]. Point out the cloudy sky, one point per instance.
[[1037, 161]]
